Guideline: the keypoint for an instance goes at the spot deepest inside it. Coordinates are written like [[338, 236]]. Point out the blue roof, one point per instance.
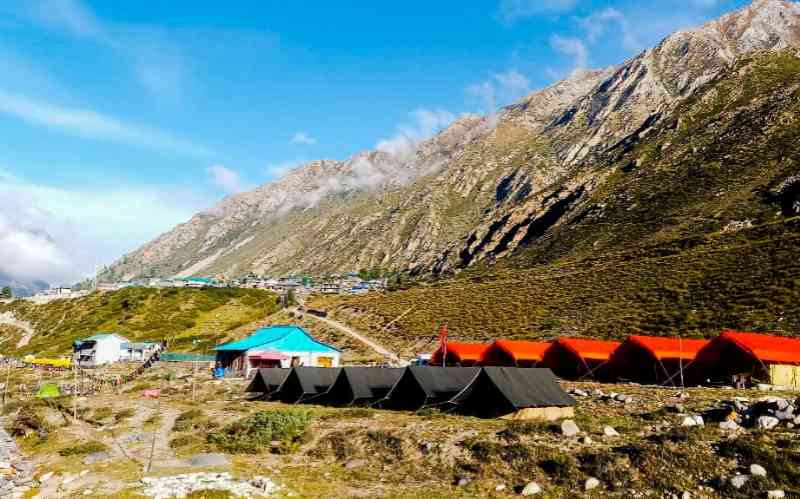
[[280, 338]]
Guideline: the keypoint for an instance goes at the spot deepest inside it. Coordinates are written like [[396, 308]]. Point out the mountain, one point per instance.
[[541, 178], [22, 288]]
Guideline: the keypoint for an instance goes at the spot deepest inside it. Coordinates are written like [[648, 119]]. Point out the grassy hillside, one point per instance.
[[690, 229], [175, 315]]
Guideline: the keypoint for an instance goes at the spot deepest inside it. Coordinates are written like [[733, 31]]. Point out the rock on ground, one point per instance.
[[569, 428], [531, 489]]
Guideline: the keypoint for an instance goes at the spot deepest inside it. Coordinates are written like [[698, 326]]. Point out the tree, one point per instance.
[[6, 293]]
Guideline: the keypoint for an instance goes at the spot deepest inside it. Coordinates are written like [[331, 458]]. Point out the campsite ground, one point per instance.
[[373, 453]]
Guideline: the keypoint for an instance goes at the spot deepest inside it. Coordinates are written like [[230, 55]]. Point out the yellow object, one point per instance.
[[325, 361], [47, 362], [784, 375]]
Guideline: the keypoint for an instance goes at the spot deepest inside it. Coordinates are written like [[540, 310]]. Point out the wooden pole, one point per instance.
[[75, 390]]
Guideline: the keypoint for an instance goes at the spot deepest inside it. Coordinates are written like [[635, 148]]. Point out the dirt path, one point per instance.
[[355, 334], [8, 318]]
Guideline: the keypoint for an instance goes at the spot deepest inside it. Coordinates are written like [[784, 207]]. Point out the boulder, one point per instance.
[[776, 494], [738, 481], [695, 420], [532, 489], [609, 431], [579, 393], [757, 470], [591, 483], [766, 422], [569, 428], [729, 425]]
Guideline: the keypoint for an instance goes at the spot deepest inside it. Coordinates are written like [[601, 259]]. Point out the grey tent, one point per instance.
[[420, 386], [306, 384], [361, 385], [267, 381], [514, 393]]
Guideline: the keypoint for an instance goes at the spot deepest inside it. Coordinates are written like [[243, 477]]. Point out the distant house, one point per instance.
[[276, 346], [330, 288], [199, 282], [100, 349], [139, 351]]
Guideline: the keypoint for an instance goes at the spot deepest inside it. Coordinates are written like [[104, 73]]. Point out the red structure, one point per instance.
[[576, 358], [654, 359], [515, 353], [458, 354], [744, 358]]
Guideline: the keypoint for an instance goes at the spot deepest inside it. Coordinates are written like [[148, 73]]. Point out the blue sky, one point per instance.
[[121, 118]]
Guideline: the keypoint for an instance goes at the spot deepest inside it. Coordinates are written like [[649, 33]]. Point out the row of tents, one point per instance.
[[740, 357], [486, 392]]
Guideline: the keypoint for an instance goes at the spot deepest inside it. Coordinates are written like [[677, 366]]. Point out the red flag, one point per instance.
[[443, 342]]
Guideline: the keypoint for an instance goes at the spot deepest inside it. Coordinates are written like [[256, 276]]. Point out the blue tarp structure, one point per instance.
[[278, 338]]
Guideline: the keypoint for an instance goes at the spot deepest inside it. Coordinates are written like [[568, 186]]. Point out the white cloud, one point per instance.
[[303, 138], [68, 15], [573, 47], [60, 235], [157, 63], [500, 89], [598, 23], [90, 124], [230, 181], [426, 122], [511, 11]]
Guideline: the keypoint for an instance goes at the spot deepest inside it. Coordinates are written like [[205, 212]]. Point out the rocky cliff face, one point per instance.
[[478, 190]]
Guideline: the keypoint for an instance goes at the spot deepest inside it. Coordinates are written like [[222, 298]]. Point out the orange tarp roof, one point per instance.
[[767, 348], [589, 349], [522, 350], [462, 351], [669, 348]]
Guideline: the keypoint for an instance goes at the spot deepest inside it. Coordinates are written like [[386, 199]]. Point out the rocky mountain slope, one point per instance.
[[695, 228], [481, 189]]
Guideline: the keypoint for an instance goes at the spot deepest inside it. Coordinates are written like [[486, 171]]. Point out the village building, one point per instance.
[[655, 359], [98, 350], [578, 358], [744, 359], [139, 351], [330, 288], [458, 354], [276, 346], [515, 353]]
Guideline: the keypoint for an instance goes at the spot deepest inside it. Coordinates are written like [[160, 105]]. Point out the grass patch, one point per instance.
[[281, 431], [83, 449]]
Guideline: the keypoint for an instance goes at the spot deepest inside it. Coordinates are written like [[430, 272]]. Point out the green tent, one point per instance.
[[48, 390]]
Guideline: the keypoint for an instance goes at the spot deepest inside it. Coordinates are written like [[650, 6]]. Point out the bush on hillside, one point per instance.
[[254, 434]]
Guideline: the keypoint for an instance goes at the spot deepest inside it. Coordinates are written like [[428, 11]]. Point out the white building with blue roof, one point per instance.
[[276, 346]]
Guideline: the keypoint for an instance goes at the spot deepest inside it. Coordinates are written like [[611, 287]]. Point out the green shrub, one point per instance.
[[253, 434], [123, 414], [83, 449]]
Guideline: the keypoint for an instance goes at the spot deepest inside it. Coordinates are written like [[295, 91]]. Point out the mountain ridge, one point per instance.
[[477, 191]]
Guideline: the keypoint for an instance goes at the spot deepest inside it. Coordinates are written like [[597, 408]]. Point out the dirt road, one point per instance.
[[355, 334]]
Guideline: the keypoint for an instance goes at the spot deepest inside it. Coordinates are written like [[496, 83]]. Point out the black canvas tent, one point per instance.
[[420, 386], [361, 385], [267, 381], [501, 391], [306, 384]]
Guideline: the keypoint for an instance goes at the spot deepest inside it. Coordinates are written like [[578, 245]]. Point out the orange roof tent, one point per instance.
[[576, 358], [514, 353], [459, 354], [654, 359], [742, 353]]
